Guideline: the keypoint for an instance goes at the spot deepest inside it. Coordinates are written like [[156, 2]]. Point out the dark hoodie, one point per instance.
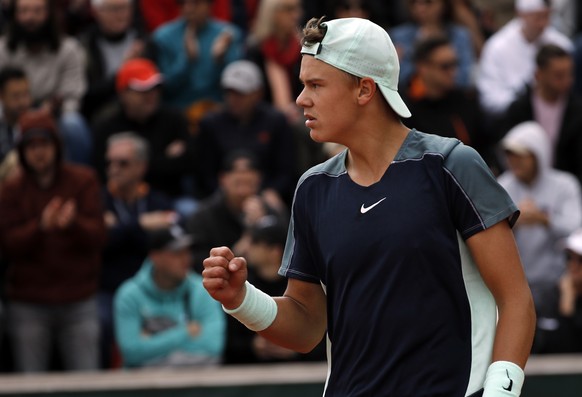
[[50, 266]]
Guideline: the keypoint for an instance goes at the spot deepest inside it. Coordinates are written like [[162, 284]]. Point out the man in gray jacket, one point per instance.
[[550, 205]]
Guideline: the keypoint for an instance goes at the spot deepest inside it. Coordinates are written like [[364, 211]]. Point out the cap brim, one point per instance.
[[179, 243], [515, 148], [145, 85], [395, 101]]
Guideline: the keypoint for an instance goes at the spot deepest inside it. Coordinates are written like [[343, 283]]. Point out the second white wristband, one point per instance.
[[257, 310]]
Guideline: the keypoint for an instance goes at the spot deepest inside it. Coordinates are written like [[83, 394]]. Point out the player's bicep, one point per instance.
[[497, 258]]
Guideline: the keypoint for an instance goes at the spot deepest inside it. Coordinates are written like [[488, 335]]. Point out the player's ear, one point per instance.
[[367, 88]]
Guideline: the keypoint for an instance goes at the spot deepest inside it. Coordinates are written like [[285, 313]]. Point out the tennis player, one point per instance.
[[400, 248]]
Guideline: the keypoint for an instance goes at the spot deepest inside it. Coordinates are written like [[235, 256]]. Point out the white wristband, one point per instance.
[[503, 379], [257, 310]]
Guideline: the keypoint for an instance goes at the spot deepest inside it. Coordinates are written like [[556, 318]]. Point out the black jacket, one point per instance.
[[568, 150]]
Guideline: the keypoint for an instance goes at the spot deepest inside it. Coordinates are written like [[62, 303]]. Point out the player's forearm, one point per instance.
[[296, 327], [515, 329]]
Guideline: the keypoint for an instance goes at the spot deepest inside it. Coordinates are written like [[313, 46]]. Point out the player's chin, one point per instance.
[[317, 136]]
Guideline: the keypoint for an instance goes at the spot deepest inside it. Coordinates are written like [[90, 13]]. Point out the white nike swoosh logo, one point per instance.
[[365, 209]]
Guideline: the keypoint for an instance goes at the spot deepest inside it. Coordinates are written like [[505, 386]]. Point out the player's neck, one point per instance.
[[369, 159]]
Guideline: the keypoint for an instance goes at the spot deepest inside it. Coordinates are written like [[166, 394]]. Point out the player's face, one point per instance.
[[328, 100]]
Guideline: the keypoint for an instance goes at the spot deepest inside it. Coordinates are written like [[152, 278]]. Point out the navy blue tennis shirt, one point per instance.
[[408, 313]]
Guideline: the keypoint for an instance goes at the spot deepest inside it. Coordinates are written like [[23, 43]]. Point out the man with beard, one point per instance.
[[55, 66], [52, 232]]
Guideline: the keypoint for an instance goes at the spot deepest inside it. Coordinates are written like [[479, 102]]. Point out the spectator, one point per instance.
[[55, 68], [52, 232], [551, 102], [192, 51], [223, 218], [247, 122], [565, 17], [429, 18], [265, 253], [467, 14], [156, 13], [563, 333], [138, 85], [437, 104], [352, 9], [495, 13], [73, 16], [132, 209], [507, 62], [550, 205], [109, 43], [15, 99], [240, 13], [163, 315], [274, 44]]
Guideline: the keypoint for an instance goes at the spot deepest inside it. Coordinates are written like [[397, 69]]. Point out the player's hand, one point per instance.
[[224, 277]]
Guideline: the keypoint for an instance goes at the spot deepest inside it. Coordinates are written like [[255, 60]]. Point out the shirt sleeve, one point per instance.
[[477, 200], [300, 256]]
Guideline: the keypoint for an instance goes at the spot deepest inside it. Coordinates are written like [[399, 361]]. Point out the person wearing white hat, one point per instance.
[[507, 61], [247, 121], [399, 247], [562, 333], [549, 201]]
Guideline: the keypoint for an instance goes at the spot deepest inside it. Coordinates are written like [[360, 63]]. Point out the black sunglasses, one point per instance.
[[121, 163]]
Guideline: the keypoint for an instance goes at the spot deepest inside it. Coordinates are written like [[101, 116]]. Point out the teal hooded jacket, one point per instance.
[[139, 302]]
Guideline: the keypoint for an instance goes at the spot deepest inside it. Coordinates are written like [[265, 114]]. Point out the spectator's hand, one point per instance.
[[531, 214], [274, 200], [293, 113], [157, 220], [267, 350], [567, 295], [194, 329], [66, 214], [52, 106], [191, 43], [48, 220], [176, 148], [110, 219], [224, 277], [220, 45], [242, 246], [253, 210]]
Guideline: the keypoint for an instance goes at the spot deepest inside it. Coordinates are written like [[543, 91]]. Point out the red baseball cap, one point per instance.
[[138, 74]]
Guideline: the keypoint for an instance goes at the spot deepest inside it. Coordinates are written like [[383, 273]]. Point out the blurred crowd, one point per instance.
[[135, 135]]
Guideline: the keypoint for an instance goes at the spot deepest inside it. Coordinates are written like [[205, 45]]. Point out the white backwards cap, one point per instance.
[[364, 49]]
